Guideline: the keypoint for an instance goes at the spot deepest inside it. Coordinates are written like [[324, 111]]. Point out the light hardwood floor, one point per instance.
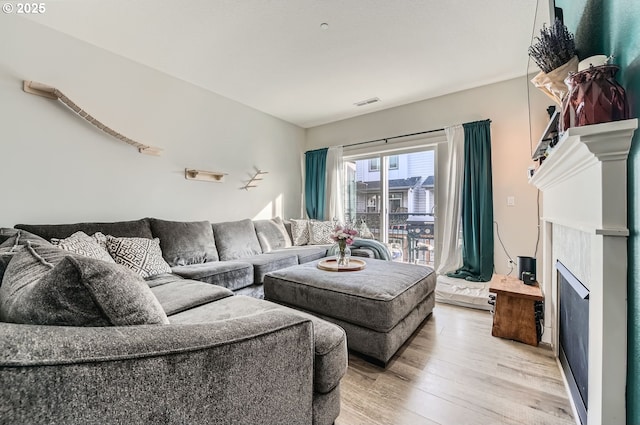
[[453, 372]]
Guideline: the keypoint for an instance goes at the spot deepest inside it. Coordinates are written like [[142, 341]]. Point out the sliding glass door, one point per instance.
[[394, 197]]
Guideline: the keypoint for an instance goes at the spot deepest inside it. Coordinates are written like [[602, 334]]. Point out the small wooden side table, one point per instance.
[[515, 314]]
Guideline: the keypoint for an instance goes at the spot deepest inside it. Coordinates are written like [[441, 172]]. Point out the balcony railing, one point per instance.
[[411, 236]]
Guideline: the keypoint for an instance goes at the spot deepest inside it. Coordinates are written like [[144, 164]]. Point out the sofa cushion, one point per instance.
[[330, 344], [138, 228], [185, 243], [141, 255], [83, 244], [236, 239], [265, 263], [45, 285], [299, 232], [183, 294], [229, 274], [161, 279], [320, 232], [305, 253], [272, 234]]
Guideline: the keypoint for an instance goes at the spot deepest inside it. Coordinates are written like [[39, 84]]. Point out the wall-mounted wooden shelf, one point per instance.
[[206, 176]]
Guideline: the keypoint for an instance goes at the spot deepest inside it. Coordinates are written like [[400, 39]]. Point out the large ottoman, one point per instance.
[[378, 307]]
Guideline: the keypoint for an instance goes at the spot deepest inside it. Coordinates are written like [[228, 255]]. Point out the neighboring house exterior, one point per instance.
[[411, 184]]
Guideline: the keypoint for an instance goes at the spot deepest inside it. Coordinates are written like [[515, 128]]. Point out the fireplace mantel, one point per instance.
[[584, 185]]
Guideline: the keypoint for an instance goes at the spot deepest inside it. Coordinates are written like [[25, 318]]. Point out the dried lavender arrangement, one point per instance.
[[555, 47]]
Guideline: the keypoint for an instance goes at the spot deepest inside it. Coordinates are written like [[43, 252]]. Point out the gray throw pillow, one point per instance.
[[6, 254], [185, 243], [15, 237], [272, 234], [14, 240], [236, 239], [47, 286]]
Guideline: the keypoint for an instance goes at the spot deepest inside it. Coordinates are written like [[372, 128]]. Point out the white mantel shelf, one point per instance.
[[582, 147], [584, 178], [584, 185]]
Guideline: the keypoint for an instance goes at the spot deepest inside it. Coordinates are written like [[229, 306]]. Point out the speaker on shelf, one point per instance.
[[527, 265]]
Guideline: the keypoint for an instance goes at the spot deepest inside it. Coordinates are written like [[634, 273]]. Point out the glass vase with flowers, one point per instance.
[[343, 236]]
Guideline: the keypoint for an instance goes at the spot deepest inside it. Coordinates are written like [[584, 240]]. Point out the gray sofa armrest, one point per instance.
[[253, 370]]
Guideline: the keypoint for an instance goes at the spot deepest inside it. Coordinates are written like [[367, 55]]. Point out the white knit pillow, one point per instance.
[[141, 255], [300, 232], [83, 244], [320, 232]]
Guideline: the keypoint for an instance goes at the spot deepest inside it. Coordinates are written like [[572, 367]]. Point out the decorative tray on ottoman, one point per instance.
[[331, 264]]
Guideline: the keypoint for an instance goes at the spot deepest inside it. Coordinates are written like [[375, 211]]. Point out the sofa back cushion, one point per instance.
[[272, 234], [185, 243], [138, 228], [45, 285], [236, 239]]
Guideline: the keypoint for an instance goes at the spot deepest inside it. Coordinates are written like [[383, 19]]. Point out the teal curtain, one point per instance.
[[315, 182], [477, 204]]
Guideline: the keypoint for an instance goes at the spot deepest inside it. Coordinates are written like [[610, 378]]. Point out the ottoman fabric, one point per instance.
[[377, 297], [383, 345]]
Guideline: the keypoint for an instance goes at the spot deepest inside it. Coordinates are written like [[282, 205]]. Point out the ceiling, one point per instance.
[[273, 55]]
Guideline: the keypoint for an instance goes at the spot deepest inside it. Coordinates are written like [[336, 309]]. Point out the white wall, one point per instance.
[[56, 168], [507, 106]]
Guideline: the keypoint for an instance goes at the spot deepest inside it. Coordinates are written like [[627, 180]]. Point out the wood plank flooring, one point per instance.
[[453, 372]]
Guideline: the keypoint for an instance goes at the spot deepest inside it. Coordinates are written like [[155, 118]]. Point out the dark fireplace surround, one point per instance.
[[574, 337]]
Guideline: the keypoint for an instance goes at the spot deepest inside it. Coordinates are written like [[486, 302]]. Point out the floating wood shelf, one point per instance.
[[49, 92], [206, 176], [256, 178]]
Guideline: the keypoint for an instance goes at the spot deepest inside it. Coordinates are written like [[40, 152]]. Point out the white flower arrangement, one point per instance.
[[344, 234]]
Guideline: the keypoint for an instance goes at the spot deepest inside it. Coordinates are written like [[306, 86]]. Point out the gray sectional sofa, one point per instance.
[[220, 357]]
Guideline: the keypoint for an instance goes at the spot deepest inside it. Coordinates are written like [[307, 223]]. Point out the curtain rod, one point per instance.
[[386, 139]]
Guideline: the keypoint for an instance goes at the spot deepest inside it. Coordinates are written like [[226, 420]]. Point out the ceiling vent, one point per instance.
[[367, 102]]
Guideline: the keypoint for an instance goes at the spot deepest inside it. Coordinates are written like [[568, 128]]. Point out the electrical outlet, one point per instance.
[[511, 201]]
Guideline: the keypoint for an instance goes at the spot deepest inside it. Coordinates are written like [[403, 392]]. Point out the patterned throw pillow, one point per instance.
[[90, 246], [300, 232], [320, 232], [141, 255]]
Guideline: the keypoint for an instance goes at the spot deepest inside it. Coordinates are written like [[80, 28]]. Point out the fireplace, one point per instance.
[[573, 326], [584, 226]]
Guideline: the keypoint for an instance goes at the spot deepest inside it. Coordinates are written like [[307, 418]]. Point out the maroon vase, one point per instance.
[[594, 97]]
